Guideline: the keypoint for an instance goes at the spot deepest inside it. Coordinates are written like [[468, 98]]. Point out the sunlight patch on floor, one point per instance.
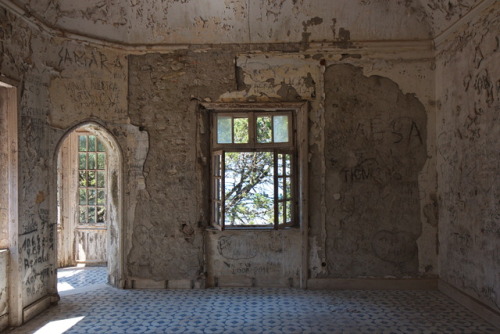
[[59, 326]]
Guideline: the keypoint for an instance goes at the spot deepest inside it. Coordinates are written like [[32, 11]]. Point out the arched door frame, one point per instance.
[[116, 217]]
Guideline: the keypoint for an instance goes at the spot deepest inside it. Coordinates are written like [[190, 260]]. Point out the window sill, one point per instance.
[[256, 228], [91, 227]]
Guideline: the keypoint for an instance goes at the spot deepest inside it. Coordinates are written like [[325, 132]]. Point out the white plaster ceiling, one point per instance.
[[248, 21]]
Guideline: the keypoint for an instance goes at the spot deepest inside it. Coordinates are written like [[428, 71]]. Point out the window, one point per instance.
[[254, 174], [91, 180]]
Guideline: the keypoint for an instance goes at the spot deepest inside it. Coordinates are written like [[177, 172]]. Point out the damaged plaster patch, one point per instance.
[[375, 148], [265, 78]]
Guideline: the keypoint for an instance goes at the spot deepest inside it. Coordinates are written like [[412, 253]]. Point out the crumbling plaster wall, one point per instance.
[[36, 230], [234, 21], [442, 14], [375, 147], [171, 216], [354, 173], [62, 84], [170, 247], [468, 67], [66, 82]]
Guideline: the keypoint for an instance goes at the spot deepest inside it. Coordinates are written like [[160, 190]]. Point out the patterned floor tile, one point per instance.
[[103, 309]]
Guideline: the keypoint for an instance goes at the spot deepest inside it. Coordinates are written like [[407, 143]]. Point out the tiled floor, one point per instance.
[[79, 279], [104, 309]]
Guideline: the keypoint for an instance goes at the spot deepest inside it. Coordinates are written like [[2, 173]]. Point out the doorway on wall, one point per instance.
[[88, 203], [11, 307]]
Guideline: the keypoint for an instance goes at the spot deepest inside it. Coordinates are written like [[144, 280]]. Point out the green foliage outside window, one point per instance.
[[91, 180]]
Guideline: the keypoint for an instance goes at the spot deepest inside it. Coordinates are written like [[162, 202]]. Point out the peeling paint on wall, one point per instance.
[[468, 160], [375, 147]]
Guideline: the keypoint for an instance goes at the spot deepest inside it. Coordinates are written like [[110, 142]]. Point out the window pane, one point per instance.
[[281, 188], [82, 196], [100, 214], [82, 143], [101, 199], [91, 179], [281, 213], [83, 215], [280, 164], [249, 188], [100, 146], [82, 160], [241, 130], [82, 178], [264, 129], [92, 196], [91, 217], [288, 211], [101, 181], [288, 164], [224, 133], [92, 143], [92, 161], [288, 188], [280, 124], [101, 160]]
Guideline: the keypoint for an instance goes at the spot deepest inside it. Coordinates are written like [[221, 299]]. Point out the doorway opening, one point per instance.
[[10, 273], [89, 206]]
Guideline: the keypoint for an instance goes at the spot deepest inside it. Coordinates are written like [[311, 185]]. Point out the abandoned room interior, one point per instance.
[[202, 145]]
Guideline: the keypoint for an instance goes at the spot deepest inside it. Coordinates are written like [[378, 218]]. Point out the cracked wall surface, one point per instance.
[[468, 165], [373, 126], [61, 84], [167, 241], [375, 147], [234, 21]]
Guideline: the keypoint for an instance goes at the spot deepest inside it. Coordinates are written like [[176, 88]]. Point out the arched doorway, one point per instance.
[[89, 163]]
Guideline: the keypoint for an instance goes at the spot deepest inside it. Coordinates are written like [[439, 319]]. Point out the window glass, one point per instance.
[[92, 143], [280, 129], [249, 189], [240, 130], [92, 161], [83, 196], [264, 129], [82, 161], [82, 178], [224, 131], [252, 176], [91, 196], [101, 179], [288, 164], [100, 146], [83, 215], [100, 214], [91, 216], [101, 199], [91, 180], [82, 143], [101, 160]]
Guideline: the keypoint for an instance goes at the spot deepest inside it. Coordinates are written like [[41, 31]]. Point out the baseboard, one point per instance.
[[4, 321], [144, 283], [36, 308], [471, 303], [372, 284]]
